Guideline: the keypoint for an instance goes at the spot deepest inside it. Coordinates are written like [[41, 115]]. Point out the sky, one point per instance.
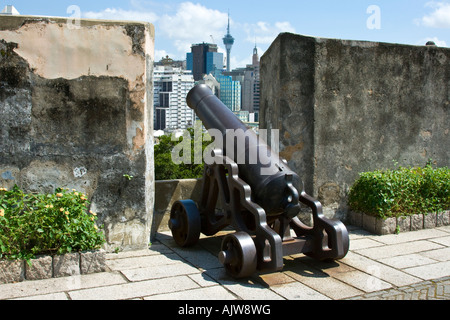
[[179, 24]]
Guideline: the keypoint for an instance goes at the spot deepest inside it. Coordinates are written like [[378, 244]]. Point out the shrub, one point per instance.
[[166, 169], [52, 224], [401, 192]]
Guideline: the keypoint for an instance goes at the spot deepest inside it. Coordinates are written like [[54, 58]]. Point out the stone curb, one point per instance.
[[46, 267], [387, 226]]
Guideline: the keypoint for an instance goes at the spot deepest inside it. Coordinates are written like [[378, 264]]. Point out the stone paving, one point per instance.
[[409, 266]]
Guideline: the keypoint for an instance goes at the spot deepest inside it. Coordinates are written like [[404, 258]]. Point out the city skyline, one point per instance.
[[179, 24]]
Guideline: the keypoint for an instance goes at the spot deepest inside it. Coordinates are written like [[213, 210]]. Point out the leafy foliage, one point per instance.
[[55, 223], [400, 192], [166, 169]]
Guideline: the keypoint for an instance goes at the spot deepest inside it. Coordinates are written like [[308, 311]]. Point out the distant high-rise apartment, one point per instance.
[[230, 92], [256, 83], [249, 77], [171, 86], [204, 59], [228, 41]]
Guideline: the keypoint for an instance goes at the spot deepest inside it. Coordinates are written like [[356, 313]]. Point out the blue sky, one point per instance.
[[179, 24]]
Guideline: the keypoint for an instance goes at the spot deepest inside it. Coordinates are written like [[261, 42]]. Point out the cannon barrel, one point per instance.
[[275, 187]]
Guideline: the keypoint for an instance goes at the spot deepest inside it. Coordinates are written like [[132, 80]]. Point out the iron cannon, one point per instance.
[[260, 198]]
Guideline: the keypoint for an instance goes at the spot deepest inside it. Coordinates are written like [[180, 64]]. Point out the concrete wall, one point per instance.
[[345, 107], [167, 192], [76, 110]]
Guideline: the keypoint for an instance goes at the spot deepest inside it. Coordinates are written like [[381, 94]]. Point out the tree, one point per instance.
[[167, 169]]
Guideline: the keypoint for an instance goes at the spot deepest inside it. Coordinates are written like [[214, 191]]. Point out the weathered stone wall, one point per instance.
[[76, 110], [345, 107]]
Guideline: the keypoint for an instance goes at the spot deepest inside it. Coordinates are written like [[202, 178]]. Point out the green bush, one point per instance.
[[52, 224], [401, 192], [166, 169]]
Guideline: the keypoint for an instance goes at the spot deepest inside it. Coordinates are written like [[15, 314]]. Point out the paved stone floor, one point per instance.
[[409, 266]]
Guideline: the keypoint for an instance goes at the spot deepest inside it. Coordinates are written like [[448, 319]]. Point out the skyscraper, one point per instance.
[[249, 77], [230, 92], [171, 86], [228, 41], [204, 59]]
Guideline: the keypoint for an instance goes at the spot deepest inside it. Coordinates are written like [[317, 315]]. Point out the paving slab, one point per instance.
[[135, 289], [363, 281], [399, 249], [156, 272], [328, 286], [198, 257], [138, 253], [411, 236], [245, 289], [46, 297], [383, 272], [439, 254], [407, 261], [203, 280], [298, 291], [54, 285], [276, 278], [442, 240], [252, 291], [364, 243], [210, 293], [144, 261], [431, 271]]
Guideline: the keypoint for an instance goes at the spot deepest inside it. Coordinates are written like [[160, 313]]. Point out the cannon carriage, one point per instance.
[[260, 198]]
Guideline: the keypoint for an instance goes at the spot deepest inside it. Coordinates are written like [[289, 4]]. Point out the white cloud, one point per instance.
[[120, 14], [177, 28], [265, 33], [439, 18], [284, 27], [193, 23]]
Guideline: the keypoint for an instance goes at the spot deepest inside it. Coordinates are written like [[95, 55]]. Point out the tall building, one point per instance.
[[249, 77], [228, 41], [171, 86], [230, 92], [256, 83], [204, 59]]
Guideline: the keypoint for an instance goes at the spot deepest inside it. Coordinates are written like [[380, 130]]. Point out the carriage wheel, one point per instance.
[[239, 255], [185, 223]]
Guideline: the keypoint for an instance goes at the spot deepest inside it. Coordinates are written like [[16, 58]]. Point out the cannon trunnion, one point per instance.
[[260, 198]]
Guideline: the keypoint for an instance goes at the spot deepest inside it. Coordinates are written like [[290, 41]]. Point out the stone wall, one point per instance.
[[167, 192], [76, 110], [345, 107]]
